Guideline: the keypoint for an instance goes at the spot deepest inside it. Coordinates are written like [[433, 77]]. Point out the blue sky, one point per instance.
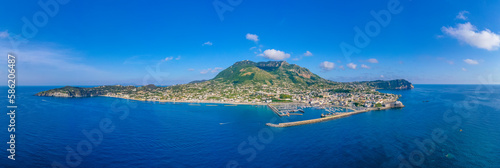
[[172, 42]]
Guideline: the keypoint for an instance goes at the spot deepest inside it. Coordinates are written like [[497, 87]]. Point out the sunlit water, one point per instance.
[[181, 135]]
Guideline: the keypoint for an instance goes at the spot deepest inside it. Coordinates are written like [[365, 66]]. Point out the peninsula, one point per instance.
[[247, 82]]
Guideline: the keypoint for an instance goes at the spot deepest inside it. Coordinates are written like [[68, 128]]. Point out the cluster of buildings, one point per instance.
[[338, 94]]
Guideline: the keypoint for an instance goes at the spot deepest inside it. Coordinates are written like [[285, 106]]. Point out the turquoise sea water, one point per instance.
[[52, 131]]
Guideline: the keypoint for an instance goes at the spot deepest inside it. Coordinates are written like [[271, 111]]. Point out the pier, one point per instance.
[[295, 123], [327, 118], [285, 111]]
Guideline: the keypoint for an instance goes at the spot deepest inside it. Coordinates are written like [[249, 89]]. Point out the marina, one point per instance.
[[331, 115], [311, 121], [286, 110]]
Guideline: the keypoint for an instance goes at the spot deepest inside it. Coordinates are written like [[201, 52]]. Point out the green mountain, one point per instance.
[[242, 78], [398, 84], [270, 72]]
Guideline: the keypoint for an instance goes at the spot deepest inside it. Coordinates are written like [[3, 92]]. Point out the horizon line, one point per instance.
[[187, 83]]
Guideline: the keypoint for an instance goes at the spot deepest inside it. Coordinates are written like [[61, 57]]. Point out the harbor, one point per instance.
[[286, 110], [331, 115], [311, 121]]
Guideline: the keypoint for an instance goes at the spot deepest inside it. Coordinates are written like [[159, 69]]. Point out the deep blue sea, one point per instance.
[[441, 126]]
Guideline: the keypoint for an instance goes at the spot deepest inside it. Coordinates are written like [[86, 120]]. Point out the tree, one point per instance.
[[285, 96]]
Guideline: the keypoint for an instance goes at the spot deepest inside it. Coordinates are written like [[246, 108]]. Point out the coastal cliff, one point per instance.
[[70, 91], [398, 84]]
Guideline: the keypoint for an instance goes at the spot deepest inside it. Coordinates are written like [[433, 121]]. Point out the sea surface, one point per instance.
[[441, 126]]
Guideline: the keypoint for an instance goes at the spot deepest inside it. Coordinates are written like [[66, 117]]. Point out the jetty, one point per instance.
[[326, 118], [285, 112], [295, 123]]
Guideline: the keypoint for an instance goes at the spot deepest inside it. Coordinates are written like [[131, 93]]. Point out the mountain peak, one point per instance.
[[268, 72], [244, 62], [267, 62], [273, 63]]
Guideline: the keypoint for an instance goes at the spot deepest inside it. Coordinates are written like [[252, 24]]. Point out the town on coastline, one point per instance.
[[283, 103], [273, 83], [262, 96]]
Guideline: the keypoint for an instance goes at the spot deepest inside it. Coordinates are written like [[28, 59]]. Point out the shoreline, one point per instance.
[[279, 125], [206, 102]]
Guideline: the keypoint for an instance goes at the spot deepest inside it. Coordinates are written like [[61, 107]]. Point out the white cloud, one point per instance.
[[172, 58], [205, 71], [308, 54], [169, 58], [365, 66], [327, 65], [468, 33], [275, 54], [190, 69], [382, 76], [372, 60], [461, 15], [45, 64], [208, 43], [51, 58], [463, 69], [451, 62], [252, 37], [216, 69], [251, 48], [211, 70], [342, 67], [352, 66], [4, 34], [471, 62]]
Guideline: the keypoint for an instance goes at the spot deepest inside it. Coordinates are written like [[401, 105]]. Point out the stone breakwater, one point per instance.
[[311, 121]]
